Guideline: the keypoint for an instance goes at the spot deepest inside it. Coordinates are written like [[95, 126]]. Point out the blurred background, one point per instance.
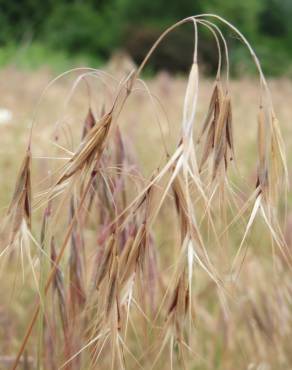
[[64, 33]]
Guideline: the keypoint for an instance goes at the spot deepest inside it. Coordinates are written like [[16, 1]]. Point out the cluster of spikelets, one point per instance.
[[99, 276]]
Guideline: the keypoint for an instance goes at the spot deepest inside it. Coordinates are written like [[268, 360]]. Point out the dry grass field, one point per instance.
[[245, 323]]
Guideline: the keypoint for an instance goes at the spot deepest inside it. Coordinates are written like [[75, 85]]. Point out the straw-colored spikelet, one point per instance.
[[223, 134], [20, 206], [133, 252], [112, 286], [88, 123], [214, 107], [59, 289], [262, 180], [187, 222], [105, 262], [218, 129], [90, 149], [77, 293]]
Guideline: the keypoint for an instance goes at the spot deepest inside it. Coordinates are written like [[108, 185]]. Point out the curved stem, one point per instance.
[[34, 115], [263, 80], [210, 28], [80, 78], [243, 38], [214, 26]]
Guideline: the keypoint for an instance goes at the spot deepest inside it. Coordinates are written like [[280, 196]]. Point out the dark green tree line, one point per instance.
[[98, 27]]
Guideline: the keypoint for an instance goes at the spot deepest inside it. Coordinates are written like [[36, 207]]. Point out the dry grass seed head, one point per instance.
[[220, 138], [60, 289], [111, 294], [20, 204], [105, 260], [77, 291], [88, 123], [19, 210], [122, 261], [213, 109], [89, 150], [134, 253]]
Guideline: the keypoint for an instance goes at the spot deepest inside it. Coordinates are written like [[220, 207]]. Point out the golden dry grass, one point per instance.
[[248, 326]]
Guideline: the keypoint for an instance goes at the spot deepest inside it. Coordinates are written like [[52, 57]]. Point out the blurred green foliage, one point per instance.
[[93, 29]]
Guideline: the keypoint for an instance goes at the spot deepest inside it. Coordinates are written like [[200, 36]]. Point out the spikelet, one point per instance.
[[89, 123], [105, 261], [77, 293], [181, 207], [221, 134], [45, 223], [187, 222], [90, 149], [229, 132], [209, 145], [59, 289], [19, 210], [218, 129], [133, 254], [262, 179], [179, 300], [213, 110], [111, 293]]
